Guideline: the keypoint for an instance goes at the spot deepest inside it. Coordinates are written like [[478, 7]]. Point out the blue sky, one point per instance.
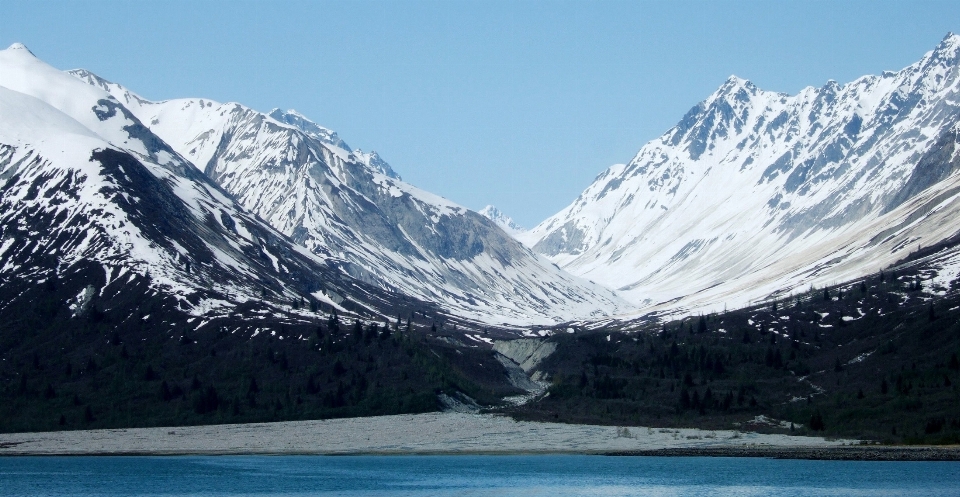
[[518, 104]]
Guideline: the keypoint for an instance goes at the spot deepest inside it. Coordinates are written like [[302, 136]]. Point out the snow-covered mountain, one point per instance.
[[90, 196], [350, 207], [502, 220], [755, 192]]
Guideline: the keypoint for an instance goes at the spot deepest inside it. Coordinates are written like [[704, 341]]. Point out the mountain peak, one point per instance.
[[736, 80], [373, 160], [303, 123], [948, 47], [20, 47], [831, 86], [500, 219], [289, 112], [734, 85]]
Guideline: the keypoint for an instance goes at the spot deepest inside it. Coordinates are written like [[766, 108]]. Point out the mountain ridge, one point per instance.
[[351, 206], [754, 193], [85, 183]]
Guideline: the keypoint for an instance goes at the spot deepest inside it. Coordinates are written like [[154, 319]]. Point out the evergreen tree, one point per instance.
[[718, 368], [816, 421], [333, 323], [357, 331], [206, 401], [165, 394], [708, 399], [373, 331]]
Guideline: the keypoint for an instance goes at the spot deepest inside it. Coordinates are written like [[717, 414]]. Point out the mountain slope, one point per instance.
[[350, 205], [93, 200], [756, 192]]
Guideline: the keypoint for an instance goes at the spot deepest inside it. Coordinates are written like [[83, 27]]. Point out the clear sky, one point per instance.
[[513, 103]]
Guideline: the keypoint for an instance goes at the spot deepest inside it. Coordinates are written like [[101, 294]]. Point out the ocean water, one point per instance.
[[549, 476]]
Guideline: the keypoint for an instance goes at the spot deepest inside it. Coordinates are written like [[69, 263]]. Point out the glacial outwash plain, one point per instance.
[[434, 433]]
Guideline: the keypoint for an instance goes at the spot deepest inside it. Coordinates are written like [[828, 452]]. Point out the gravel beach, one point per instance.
[[433, 433]]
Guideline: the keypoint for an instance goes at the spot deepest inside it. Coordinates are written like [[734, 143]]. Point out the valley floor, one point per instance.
[[432, 433]]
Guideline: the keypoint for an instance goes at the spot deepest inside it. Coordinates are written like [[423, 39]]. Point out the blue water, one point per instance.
[[551, 476]]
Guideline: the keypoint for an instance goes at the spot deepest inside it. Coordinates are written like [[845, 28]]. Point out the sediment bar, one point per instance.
[[432, 433]]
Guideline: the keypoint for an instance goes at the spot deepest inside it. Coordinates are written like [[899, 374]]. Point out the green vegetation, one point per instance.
[[875, 359], [136, 364]]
